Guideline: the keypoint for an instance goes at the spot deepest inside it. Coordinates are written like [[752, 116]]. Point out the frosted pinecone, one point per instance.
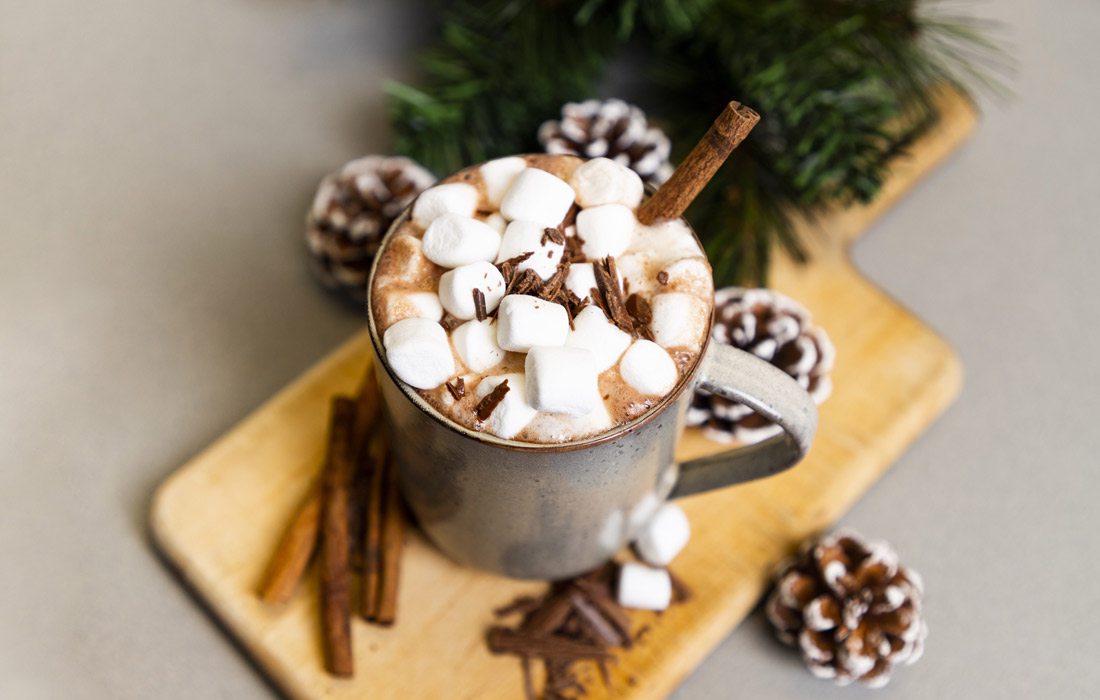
[[774, 328], [352, 210], [610, 129], [851, 608]]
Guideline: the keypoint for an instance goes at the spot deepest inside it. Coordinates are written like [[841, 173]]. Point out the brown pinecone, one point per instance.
[[854, 612], [774, 328], [610, 129], [352, 210]]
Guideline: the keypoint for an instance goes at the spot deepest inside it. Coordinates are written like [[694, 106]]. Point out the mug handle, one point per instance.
[[740, 376]]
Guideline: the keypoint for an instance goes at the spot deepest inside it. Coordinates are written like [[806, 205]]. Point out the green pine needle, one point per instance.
[[843, 86]]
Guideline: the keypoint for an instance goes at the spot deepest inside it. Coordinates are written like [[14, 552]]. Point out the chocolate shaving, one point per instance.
[[662, 277], [516, 260], [575, 621], [608, 287], [479, 304], [555, 235], [597, 624], [450, 322], [573, 252], [506, 641], [552, 287], [457, 389], [487, 405], [526, 282], [642, 313]]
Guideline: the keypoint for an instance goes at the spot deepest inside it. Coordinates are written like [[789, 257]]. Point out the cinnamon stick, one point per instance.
[[294, 551], [335, 572], [728, 131], [393, 540], [372, 535]]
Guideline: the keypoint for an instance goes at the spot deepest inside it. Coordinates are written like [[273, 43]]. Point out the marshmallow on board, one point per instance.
[[419, 352], [664, 536], [644, 588]]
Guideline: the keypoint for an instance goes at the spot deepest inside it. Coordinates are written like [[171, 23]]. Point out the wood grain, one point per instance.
[[219, 517]]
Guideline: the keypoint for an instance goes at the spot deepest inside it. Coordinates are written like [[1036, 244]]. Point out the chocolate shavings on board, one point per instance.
[[575, 621]]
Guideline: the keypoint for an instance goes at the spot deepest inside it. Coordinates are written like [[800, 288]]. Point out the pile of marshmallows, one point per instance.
[[661, 539], [562, 365]]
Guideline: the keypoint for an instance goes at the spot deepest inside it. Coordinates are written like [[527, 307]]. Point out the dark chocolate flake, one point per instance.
[[457, 388], [479, 304], [487, 405], [662, 277]]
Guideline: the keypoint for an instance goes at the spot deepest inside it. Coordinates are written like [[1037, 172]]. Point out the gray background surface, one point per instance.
[[155, 163]]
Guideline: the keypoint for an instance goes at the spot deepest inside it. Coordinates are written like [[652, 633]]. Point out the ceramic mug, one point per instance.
[[552, 511]]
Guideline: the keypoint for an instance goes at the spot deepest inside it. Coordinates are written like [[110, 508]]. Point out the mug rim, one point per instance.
[[420, 402]]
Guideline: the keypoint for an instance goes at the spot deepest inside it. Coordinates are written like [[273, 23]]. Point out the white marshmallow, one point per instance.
[[689, 273], [606, 230], [456, 288], [664, 536], [537, 196], [497, 222], [475, 342], [593, 332], [562, 380], [498, 176], [524, 321], [526, 237], [513, 413], [678, 319], [603, 181], [666, 241], [451, 198], [562, 427], [402, 305], [643, 588], [452, 240], [419, 352], [648, 369], [642, 511], [580, 279]]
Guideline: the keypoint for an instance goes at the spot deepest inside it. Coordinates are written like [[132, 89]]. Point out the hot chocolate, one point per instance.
[[523, 298]]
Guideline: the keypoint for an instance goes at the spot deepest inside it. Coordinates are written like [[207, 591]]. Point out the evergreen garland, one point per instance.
[[843, 86]]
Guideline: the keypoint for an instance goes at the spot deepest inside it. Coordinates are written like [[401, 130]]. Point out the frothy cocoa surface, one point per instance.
[[660, 260]]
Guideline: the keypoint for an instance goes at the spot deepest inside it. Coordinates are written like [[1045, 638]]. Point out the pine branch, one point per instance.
[[844, 87]]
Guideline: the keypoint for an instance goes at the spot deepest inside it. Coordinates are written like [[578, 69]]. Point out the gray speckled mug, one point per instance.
[[551, 511]]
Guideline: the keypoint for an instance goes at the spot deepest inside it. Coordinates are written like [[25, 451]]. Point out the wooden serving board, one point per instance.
[[218, 518]]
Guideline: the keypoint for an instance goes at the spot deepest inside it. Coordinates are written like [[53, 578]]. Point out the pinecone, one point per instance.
[[352, 210], [611, 129], [774, 328], [851, 609]]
